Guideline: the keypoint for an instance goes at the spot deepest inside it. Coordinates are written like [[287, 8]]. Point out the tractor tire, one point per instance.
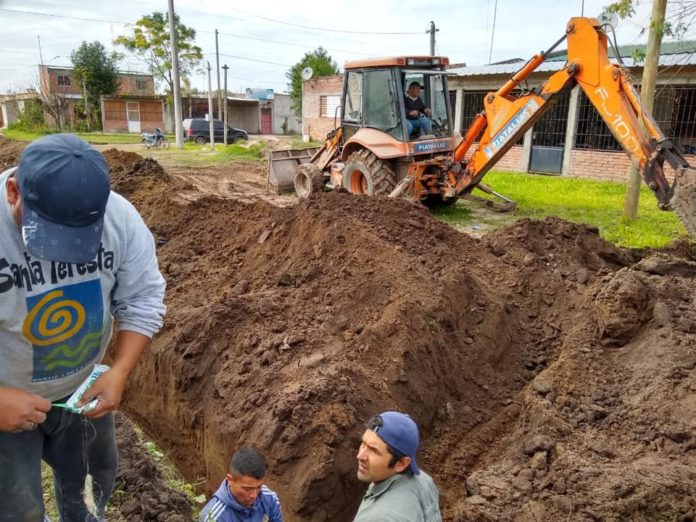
[[308, 180], [365, 173]]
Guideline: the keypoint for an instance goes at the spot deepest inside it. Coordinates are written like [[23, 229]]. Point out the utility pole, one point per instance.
[[211, 117], [38, 37], [217, 72], [224, 67], [495, 14], [84, 90], [178, 128], [432, 32], [647, 96]]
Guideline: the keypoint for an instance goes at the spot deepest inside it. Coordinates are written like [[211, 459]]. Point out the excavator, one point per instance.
[[372, 152]]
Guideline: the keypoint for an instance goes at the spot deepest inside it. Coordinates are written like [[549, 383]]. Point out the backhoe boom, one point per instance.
[[608, 86]]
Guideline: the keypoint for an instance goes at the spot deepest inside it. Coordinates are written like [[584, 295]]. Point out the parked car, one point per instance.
[[198, 130]]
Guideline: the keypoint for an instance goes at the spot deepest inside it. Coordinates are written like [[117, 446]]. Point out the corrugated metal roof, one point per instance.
[[666, 60]]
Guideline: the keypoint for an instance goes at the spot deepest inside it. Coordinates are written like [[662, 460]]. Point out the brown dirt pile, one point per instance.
[[553, 375], [9, 152], [142, 493]]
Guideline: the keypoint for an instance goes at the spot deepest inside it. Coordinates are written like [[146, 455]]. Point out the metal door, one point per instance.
[[266, 121], [133, 116], [548, 138]]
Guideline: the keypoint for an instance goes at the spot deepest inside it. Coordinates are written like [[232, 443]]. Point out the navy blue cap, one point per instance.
[[400, 432], [64, 185]]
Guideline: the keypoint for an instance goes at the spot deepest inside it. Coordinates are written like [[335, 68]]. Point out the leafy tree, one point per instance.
[[150, 43], [31, 117], [99, 72], [682, 14], [322, 65]]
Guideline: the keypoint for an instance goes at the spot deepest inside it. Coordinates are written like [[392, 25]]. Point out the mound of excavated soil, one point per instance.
[[9, 152], [553, 375], [142, 493]]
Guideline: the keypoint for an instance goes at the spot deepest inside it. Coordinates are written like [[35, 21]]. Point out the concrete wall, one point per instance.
[[241, 113], [314, 125], [282, 112], [244, 115]]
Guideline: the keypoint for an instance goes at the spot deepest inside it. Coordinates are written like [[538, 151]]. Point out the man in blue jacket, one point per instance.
[[242, 496]]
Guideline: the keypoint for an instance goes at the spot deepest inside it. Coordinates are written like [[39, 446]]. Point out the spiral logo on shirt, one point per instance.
[[53, 320], [65, 327]]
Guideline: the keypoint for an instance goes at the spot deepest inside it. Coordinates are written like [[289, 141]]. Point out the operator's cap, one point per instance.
[[398, 431], [64, 184]]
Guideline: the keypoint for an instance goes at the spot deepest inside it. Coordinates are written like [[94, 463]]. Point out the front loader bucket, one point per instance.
[[282, 165]]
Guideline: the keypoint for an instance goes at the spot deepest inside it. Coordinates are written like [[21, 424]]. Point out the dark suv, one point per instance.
[[198, 130]]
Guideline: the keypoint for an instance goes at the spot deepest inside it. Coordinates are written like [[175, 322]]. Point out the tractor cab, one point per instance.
[[374, 91]]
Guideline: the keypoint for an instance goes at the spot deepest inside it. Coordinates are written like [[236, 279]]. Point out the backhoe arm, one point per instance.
[[608, 87]]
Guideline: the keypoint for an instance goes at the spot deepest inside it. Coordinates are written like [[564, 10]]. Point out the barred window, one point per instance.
[[550, 129], [328, 105], [472, 104], [592, 132]]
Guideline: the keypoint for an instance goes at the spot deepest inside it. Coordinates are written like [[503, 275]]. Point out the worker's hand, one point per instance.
[[108, 390], [413, 113], [21, 410], [427, 111]]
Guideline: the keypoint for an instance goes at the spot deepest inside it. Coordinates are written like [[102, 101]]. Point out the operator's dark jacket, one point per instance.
[[413, 105]]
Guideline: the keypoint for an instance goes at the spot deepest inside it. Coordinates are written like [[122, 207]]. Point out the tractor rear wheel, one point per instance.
[[365, 173], [308, 180]]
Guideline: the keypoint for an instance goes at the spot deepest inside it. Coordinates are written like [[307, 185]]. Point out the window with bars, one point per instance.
[[674, 111], [592, 132], [550, 129], [675, 114], [64, 80], [472, 104], [328, 105]]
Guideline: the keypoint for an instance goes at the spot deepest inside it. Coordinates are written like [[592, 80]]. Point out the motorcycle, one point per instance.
[[157, 140]]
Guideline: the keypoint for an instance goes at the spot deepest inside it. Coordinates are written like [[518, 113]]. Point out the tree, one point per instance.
[[150, 43], [97, 71], [660, 26], [54, 98], [321, 64]]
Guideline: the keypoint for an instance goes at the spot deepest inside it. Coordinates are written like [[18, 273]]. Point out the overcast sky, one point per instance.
[[251, 30]]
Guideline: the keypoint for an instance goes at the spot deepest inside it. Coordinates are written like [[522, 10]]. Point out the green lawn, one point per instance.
[[91, 137], [598, 203], [194, 155]]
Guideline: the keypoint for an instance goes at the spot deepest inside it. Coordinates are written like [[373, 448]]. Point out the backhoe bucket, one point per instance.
[[282, 165]]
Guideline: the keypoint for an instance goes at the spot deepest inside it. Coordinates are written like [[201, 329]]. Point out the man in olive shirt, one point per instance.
[[399, 490]]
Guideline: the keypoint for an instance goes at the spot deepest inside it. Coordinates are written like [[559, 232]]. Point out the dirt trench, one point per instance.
[[553, 375]]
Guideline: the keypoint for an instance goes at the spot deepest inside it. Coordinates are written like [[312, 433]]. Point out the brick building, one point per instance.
[[133, 88], [320, 99], [571, 139]]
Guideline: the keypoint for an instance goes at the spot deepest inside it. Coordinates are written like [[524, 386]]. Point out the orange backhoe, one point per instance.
[[372, 151]]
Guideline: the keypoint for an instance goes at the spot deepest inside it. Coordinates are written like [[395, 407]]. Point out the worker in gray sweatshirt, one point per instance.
[[73, 256]]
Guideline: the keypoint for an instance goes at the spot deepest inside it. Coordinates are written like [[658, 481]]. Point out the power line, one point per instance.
[[252, 59], [50, 15], [289, 44], [313, 28]]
